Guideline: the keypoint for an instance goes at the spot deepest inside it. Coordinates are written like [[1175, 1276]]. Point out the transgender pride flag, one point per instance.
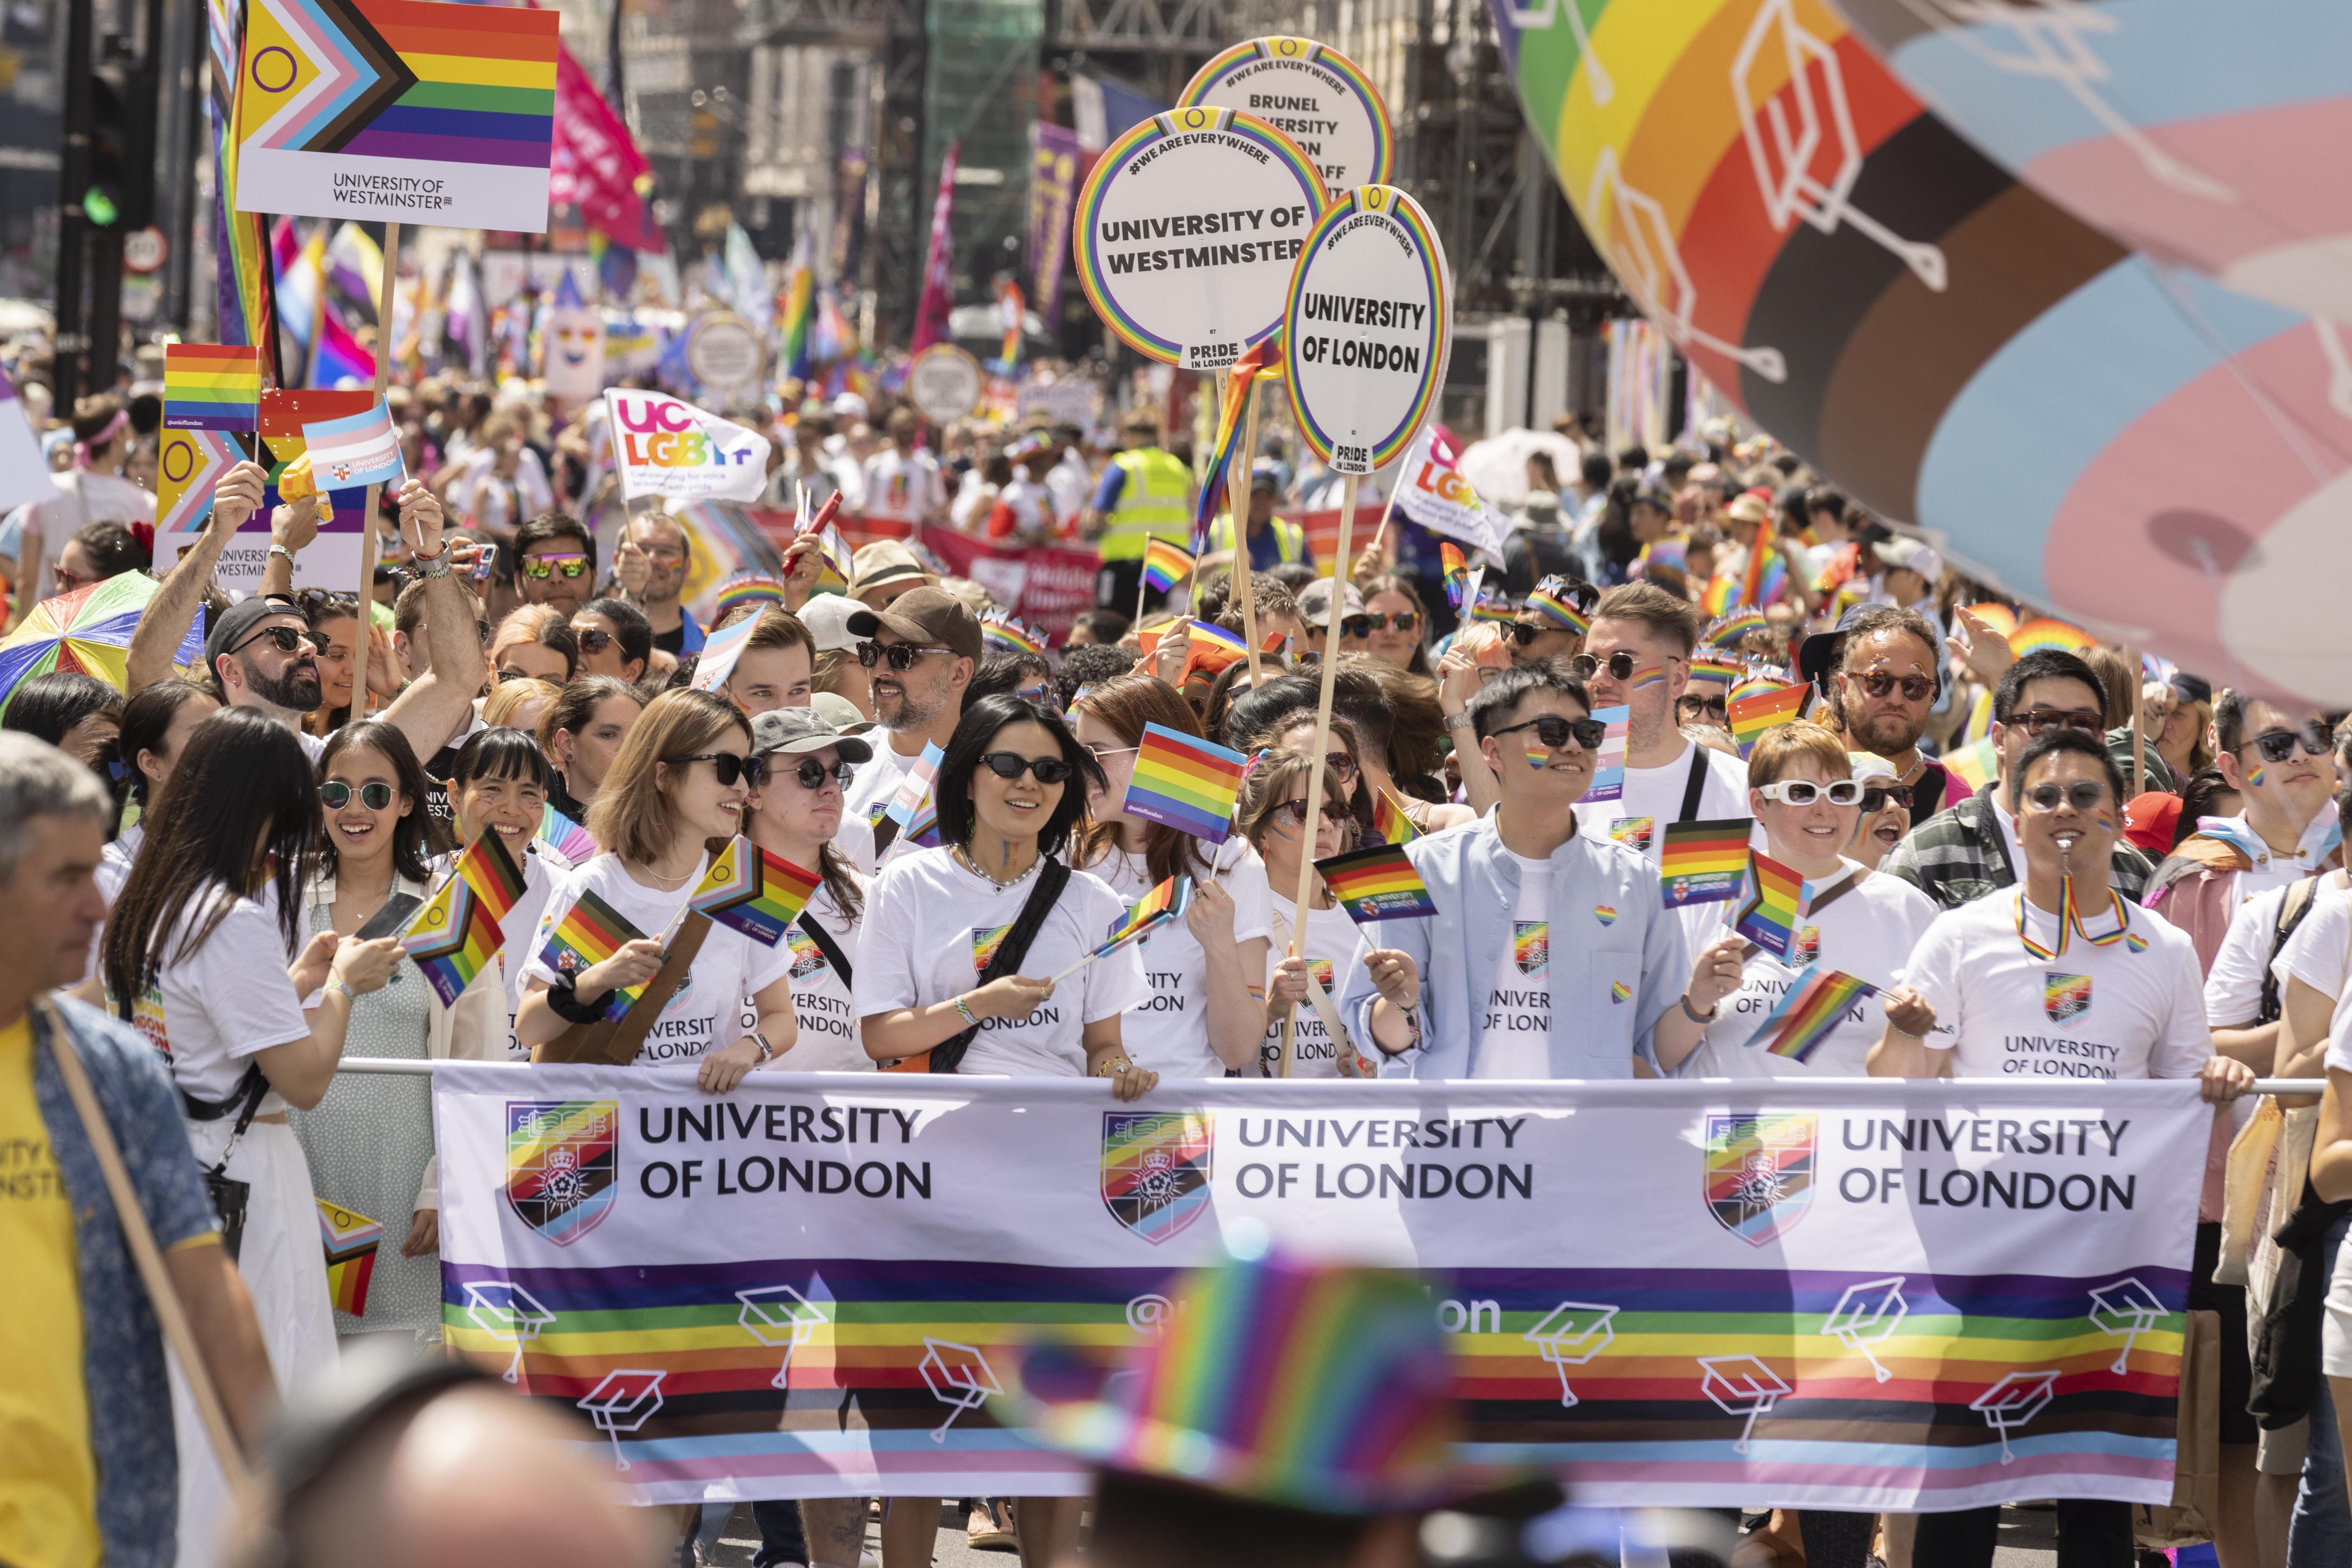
[[357, 450]]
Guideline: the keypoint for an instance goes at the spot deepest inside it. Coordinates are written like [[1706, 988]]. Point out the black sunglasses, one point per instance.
[[727, 766], [594, 641], [1875, 796], [1296, 812], [813, 773], [2278, 746], [2084, 795], [1555, 732], [1524, 632], [1704, 707], [1402, 620], [285, 640], [902, 655], [1012, 765], [335, 794], [2040, 721], [1915, 688], [1584, 666]]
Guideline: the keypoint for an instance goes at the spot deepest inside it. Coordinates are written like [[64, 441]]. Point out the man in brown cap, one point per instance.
[[922, 650]]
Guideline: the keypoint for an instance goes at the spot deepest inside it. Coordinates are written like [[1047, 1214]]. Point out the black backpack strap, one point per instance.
[[1696, 785], [1052, 877], [2300, 897], [825, 944]]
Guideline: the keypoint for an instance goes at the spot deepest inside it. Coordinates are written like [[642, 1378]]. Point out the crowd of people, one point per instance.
[[202, 878]]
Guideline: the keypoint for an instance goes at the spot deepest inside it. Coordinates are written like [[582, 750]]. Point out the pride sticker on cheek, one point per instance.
[[1538, 756], [2255, 777], [1648, 676]]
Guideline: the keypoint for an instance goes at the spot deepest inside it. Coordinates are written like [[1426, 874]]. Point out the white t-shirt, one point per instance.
[[1170, 1033], [1515, 1023], [829, 1039], [903, 487], [2272, 870], [2234, 986], [930, 928], [2318, 951], [1329, 949], [1653, 800], [854, 842], [229, 1000], [707, 1012], [1867, 931], [875, 782], [1071, 487], [526, 930], [2132, 1010], [113, 871]]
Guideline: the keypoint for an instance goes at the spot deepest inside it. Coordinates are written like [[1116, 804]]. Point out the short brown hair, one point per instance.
[[1781, 747], [1889, 619], [1661, 611], [630, 816], [1268, 786], [777, 628]]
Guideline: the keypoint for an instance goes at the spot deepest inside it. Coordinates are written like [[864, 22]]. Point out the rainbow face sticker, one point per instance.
[[1531, 946], [1646, 677], [2254, 777], [1538, 757]]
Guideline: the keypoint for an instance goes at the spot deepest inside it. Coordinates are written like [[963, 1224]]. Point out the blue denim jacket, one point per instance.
[[130, 1432], [1474, 881]]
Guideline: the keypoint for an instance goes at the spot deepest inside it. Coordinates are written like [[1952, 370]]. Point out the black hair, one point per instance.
[[630, 628], [1823, 498], [1106, 626], [2051, 742], [503, 754], [556, 525], [1596, 470], [1090, 666], [112, 549], [979, 726], [1142, 1521], [49, 706], [415, 835], [2205, 787], [242, 780], [1635, 457], [1492, 702], [146, 719], [2044, 664], [1002, 672]]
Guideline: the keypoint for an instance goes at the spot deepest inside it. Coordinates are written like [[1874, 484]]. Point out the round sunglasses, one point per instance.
[[812, 774], [335, 794], [2083, 794]]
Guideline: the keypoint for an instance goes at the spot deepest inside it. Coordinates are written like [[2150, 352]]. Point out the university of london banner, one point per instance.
[[1856, 1294]]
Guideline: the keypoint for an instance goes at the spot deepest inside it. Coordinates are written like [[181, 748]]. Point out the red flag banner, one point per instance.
[[938, 265], [595, 164]]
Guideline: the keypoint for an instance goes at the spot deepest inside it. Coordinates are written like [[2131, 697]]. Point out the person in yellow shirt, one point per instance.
[[88, 1466]]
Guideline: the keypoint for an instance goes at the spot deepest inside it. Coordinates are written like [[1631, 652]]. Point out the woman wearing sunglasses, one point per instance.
[[1010, 791], [370, 1140], [1879, 831], [1801, 789], [1206, 970], [680, 781], [1274, 819], [1396, 624], [499, 784], [795, 815]]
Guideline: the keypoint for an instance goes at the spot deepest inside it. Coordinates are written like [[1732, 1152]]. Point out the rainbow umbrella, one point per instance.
[[88, 632]]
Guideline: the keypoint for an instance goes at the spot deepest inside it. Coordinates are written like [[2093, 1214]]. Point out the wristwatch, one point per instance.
[[1695, 1016], [278, 549], [1461, 720], [767, 1051]]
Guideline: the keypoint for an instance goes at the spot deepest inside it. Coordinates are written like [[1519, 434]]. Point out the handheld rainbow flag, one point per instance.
[[1186, 783], [1768, 916], [1229, 435], [591, 931], [1727, 631], [1377, 884], [1814, 1004], [209, 387], [1010, 634], [1975, 765], [1550, 597], [355, 450], [350, 1240], [1164, 565], [1752, 716], [838, 560], [492, 875], [1389, 821], [567, 838], [1210, 649], [1608, 766], [916, 787], [751, 890], [451, 938], [715, 665], [1164, 903], [1456, 570], [1703, 862]]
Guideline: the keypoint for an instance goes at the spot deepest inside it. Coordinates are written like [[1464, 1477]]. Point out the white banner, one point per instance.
[[1856, 1294], [664, 446], [1431, 491]]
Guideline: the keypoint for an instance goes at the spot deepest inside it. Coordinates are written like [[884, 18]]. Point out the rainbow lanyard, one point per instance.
[[2070, 920]]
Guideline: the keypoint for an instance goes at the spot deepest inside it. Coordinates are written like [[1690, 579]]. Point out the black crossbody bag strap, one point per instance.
[[1052, 877], [825, 945], [1696, 785]]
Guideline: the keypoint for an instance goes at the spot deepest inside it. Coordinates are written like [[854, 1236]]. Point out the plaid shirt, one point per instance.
[[1959, 856]]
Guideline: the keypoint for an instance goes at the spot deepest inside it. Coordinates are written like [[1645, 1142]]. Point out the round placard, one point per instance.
[[723, 352], [1187, 230], [1366, 329], [943, 382], [1311, 93]]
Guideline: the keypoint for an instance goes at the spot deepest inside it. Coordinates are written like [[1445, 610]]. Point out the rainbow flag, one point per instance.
[[355, 449], [451, 938], [1980, 724], [1550, 597], [591, 931], [1813, 1006], [1165, 902], [1186, 783], [1728, 630], [1456, 570], [1752, 716], [916, 787], [1704, 862], [1389, 821], [1768, 916], [1377, 884], [1212, 500], [1010, 634], [1164, 565], [209, 387], [1609, 766], [2046, 632], [797, 311], [1212, 648], [1764, 578], [752, 890], [338, 355], [1974, 765], [350, 1240], [1713, 667], [567, 838], [492, 875]]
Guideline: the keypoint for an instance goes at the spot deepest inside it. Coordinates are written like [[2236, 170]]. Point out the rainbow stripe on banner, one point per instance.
[[1768, 916], [207, 386], [1752, 716], [591, 931], [1608, 766], [1377, 884], [1809, 1012], [1165, 902], [1703, 862], [751, 890], [350, 1240], [1164, 565], [451, 938], [1185, 783]]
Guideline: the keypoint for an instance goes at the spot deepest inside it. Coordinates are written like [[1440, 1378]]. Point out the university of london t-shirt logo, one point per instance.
[[2066, 997], [1531, 946], [1634, 832], [807, 957], [1805, 947], [985, 940]]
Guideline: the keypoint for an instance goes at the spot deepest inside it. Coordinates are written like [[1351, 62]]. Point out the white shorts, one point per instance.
[[2336, 1330]]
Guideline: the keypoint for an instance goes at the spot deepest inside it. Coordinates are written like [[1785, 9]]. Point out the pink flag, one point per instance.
[[595, 164], [938, 266]]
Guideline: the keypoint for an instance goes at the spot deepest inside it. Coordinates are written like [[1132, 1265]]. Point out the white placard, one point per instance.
[[1311, 93], [1367, 329]]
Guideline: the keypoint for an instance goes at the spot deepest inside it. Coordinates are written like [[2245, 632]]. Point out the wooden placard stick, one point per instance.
[[366, 628], [1322, 735]]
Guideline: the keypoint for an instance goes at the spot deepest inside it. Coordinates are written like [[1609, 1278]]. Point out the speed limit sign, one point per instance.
[[144, 250]]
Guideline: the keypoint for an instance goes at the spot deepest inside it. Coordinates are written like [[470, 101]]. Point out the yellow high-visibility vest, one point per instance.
[[1289, 539], [1155, 502]]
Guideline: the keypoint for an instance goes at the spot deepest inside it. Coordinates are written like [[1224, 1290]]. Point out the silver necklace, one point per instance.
[[964, 857]]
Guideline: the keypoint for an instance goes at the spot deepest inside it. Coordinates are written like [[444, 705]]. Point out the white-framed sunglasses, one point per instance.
[[1803, 792]]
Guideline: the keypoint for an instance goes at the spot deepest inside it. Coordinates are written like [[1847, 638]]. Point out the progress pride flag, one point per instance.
[[667, 447]]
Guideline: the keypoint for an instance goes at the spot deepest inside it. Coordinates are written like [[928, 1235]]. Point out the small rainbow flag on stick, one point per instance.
[[1210, 648], [350, 1240], [1164, 565], [209, 387], [1609, 767], [1768, 916], [1389, 821], [1165, 902], [591, 931], [451, 938], [492, 875], [1703, 862], [1456, 570], [1752, 716], [1186, 783], [753, 891], [1377, 884], [916, 787], [1813, 1008]]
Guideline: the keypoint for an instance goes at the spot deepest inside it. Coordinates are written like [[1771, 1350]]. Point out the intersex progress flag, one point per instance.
[[1860, 1295]]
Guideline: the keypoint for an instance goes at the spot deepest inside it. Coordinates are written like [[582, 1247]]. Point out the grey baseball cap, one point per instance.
[[798, 730]]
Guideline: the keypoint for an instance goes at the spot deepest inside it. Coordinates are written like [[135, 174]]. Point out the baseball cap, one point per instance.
[[237, 623], [1650, 495], [827, 618], [794, 730], [1314, 602], [927, 615], [2149, 821], [840, 713], [1747, 508], [1818, 654], [1265, 475], [1900, 554], [885, 561]]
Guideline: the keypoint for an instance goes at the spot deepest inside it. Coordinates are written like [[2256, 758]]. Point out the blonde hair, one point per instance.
[[631, 813], [499, 707], [1782, 746]]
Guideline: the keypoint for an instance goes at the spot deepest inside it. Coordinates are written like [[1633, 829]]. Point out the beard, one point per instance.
[[297, 690], [1887, 731], [911, 712]]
